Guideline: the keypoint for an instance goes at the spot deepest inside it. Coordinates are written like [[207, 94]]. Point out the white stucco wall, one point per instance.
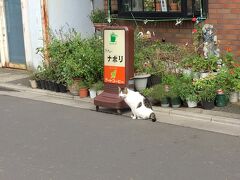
[[98, 4], [33, 36], [71, 13]]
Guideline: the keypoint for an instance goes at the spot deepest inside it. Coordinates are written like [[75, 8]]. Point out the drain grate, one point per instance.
[[7, 89]]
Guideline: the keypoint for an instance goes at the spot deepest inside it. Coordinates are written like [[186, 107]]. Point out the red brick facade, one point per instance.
[[223, 15]]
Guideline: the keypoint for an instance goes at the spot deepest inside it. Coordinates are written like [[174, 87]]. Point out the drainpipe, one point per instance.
[[109, 12], [92, 2], [45, 26]]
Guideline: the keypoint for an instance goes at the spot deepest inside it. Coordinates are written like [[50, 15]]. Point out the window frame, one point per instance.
[[163, 15]]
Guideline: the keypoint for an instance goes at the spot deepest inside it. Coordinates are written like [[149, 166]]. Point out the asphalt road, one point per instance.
[[44, 141]]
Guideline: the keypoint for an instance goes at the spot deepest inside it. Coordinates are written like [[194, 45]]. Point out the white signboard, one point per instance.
[[114, 48]]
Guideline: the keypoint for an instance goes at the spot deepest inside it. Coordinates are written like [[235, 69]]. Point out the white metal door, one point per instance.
[[12, 40]]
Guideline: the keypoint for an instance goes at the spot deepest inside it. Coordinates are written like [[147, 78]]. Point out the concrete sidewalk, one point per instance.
[[216, 121]]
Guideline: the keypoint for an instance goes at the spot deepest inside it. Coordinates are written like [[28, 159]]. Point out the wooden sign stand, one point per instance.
[[118, 66]]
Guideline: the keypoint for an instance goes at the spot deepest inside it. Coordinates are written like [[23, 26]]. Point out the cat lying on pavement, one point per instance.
[[139, 105]]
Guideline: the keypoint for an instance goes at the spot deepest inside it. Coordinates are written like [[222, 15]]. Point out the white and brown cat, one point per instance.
[[139, 105]]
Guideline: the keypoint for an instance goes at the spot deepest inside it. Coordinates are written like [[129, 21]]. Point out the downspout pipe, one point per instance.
[[109, 11]]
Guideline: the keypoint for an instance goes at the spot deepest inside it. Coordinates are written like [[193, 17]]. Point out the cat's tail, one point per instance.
[[153, 117]]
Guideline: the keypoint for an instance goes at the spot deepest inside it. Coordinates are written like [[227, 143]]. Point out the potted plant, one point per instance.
[[149, 5], [207, 97], [99, 87], [99, 19], [206, 89], [188, 94], [33, 80], [92, 91], [205, 66], [95, 89], [235, 83], [158, 6], [173, 5], [223, 86], [83, 89], [149, 94], [169, 80], [174, 94], [143, 62], [159, 93], [187, 91]]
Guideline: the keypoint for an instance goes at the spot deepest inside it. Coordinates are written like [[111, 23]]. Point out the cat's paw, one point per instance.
[[134, 117]]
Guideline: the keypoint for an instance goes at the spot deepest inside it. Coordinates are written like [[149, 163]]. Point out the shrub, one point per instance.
[[73, 57], [98, 16]]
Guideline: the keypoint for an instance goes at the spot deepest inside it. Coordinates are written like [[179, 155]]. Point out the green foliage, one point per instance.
[[197, 36], [169, 79], [98, 16], [186, 89], [73, 57], [83, 84], [97, 86], [235, 78], [147, 92], [198, 64], [158, 92], [224, 80], [155, 57], [206, 87]]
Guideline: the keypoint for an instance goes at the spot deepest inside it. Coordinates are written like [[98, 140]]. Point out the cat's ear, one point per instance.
[[119, 89], [126, 90]]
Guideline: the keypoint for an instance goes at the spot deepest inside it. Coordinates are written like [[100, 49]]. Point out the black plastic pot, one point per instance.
[[52, 86], [56, 87], [153, 101], [47, 85], [165, 102], [176, 102], [38, 84], [208, 104], [62, 88], [154, 80], [43, 85]]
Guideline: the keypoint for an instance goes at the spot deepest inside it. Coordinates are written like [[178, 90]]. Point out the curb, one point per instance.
[[198, 114], [201, 115]]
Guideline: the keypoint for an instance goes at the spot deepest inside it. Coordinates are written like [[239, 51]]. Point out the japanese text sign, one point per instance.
[[114, 56]]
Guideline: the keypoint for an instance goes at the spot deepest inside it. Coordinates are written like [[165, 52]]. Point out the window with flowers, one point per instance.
[[157, 9]]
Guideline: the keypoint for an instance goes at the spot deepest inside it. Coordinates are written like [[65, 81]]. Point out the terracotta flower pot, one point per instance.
[[158, 6], [83, 92], [100, 26], [174, 6]]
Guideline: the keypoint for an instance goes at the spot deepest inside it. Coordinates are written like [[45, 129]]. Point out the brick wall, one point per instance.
[[223, 14]]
